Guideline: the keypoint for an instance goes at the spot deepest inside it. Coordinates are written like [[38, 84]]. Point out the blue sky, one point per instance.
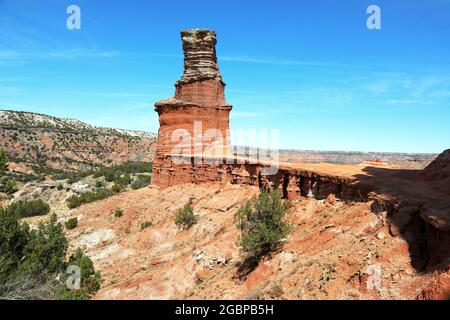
[[311, 69]]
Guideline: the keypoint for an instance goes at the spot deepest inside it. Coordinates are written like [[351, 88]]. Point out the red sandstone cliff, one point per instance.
[[196, 119]]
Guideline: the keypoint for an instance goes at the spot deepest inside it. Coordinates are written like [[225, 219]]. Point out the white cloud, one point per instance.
[[74, 53], [247, 59], [114, 94], [410, 101]]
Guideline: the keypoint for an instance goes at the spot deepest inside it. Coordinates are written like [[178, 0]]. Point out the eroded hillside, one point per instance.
[[32, 140], [331, 253]]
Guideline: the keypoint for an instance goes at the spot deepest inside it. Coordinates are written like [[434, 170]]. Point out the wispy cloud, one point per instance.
[[113, 94], [264, 60], [410, 102], [260, 60], [74, 53], [8, 90], [267, 112], [406, 89]]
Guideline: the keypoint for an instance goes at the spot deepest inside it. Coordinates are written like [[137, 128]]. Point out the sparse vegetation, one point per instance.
[[7, 185], [276, 291], [30, 208], [31, 260], [186, 216], [90, 279], [117, 188], [88, 197], [141, 181], [121, 173], [10, 186], [262, 224], [327, 274], [118, 213], [146, 224], [3, 162], [72, 223]]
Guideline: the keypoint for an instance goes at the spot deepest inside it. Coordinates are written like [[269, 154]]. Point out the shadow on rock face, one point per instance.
[[417, 209]]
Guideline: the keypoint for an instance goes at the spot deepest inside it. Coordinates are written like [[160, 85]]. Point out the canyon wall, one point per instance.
[[291, 183], [193, 147], [194, 124]]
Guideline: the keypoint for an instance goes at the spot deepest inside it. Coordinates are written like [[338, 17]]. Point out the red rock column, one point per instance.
[[196, 120]]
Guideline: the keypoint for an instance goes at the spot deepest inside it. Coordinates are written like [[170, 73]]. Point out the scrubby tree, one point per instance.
[[186, 216], [72, 223], [33, 261], [30, 208], [263, 225], [89, 278], [3, 162]]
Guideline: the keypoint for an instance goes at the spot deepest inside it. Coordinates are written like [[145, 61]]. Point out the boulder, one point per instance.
[[437, 214]]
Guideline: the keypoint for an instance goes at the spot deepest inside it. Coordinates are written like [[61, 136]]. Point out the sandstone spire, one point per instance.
[[200, 61], [197, 109]]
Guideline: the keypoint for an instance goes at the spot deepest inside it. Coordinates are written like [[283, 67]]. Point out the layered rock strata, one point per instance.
[[196, 119], [414, 203]]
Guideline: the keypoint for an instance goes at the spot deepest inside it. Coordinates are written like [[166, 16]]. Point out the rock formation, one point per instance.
[[410, 198], [196, 119]]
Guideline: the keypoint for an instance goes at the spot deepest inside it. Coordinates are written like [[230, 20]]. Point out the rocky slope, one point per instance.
[[335, 251], [392, 245], [36, 139]]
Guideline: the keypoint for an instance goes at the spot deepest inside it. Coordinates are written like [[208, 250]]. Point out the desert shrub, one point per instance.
[[123, 171], [98, 184], [28, 252], [30, 208], [124, 180], [89, 280], [13, 240], [73, 179], [10, 186], [46, 248], [71, 176], [72, 223], [327, 274], [262, 224], [118, 213], [3, 162], [146, 224], [141, 181], [88, 197], [60, 187], [276, 291], [109, 176], [28, 177], [31, 260], [186, 217], [117, 188]]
